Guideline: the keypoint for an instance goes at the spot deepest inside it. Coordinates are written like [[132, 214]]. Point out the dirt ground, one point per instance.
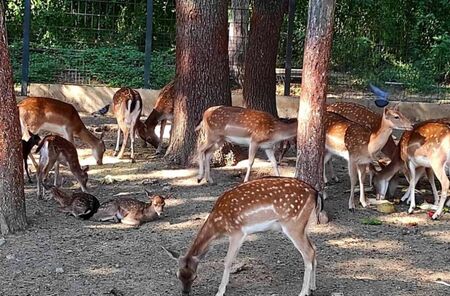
[[60, 255]]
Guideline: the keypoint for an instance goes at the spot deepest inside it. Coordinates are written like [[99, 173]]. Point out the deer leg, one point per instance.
[[116, 150], [161, 136], [430, 176], [326, 159], [201, 159], [439, 169], [45, 164], [361, 169], [33, 161], [234, 245], [418, 174], [57, 182], [26, 169], [352, 171], [271, 156], [253, 147], [412, 187], [208, 154], [132, 137], [304, 245], [124, 142]]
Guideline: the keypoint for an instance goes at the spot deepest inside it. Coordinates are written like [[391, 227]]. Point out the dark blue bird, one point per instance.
[[381, 96], [102, 111]]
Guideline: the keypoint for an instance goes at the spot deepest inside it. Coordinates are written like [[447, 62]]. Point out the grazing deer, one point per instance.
[[130, 211], [127, 108], [55, 116], [426, 146], [54, 150], [252, 128], [27, 146], [162, 112], [79, 204], [286, 204]]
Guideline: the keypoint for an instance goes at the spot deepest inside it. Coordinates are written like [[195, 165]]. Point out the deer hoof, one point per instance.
[[435, 217], [352, 210], [115, 153], [410, 211], [198, 180], [133, 160]]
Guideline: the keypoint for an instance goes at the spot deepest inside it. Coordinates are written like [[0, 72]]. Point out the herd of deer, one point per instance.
[[353, 132]]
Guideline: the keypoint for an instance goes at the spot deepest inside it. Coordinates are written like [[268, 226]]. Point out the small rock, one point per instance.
[[117, 266], [386, 208], [10, 257], [2, 241], [59, 270], [108, 179]]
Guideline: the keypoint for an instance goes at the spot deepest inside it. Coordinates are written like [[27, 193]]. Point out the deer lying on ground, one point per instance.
[[360, 145], [54, 150], [79, 204], [426, 147], [130, 211], [252, 128], [27, 146], [55, 116], [285, 204], [127, 108], [162, 112]]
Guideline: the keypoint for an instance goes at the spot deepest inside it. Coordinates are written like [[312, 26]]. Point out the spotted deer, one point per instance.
[[360, 145], [425, 149], [162, 112], [252, 128], [54, 150], [130, 211], [79, 204], [286, 204], [37, 113]]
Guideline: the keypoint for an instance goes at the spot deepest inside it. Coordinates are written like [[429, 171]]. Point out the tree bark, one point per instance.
[[202, 71], [12, 196], [261, 56], [311, 134], [238, 39]]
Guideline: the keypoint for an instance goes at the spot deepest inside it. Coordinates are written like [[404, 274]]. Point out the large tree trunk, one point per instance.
[[202, 71], [238, 39], [311, 134], [12, 196], [261, 56]]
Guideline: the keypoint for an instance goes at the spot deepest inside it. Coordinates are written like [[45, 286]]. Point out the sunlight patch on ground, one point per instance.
[[405, 219], [204, 198], [101, 271], [199, 218], [365, 245], [443, 236], [107, 225]]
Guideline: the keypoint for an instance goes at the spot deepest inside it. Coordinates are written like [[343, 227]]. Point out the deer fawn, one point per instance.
[[38, 114], [241, 126], [426, 146], [27, 146], [79, 204], [162, 112], [259, 205], [54, 150], [130, 211], [127, 108]]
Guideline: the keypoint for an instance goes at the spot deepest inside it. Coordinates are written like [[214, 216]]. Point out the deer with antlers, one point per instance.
[[360, 145], [252, 128], [54, 150], [425, 149], [285, 204], [37, 113]]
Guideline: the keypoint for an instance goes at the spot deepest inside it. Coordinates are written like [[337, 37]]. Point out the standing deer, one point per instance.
[[162, 112], [424, 149], [55, 116], [27, 146], [54, 150], [252, 128], [285, 204], [127, 108]]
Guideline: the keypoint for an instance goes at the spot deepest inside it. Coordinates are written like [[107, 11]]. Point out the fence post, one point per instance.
[[148, 43], [288, 62], [26, 48]]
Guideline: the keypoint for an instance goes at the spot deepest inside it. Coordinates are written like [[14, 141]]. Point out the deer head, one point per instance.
[[157, 201], [395, 119]]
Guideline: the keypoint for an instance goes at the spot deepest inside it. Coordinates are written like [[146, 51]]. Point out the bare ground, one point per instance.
[[60, 255]]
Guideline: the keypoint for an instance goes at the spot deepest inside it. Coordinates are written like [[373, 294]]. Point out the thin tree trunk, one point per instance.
[[202, 71], [238, 39], [12, 196], [311, 134], [261, 56]]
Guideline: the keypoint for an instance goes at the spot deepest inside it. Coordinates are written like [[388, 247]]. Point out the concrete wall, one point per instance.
[[89, 99]]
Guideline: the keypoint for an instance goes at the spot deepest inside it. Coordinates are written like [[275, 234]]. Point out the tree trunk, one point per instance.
[[261, 56], [12, 196], [238, 39], [311, 134], [202, 71]]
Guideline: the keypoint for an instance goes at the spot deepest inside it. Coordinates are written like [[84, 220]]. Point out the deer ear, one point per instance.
[[85, 168], [172, 254]]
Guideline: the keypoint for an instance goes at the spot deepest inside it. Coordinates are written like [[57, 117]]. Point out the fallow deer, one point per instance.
[[127, 108], [252, 128], [286, 204], [54, 150], [37, 113], [360, 144], [426, 146], [130, 211], [162, 112], [79, 204], [27, 146]]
